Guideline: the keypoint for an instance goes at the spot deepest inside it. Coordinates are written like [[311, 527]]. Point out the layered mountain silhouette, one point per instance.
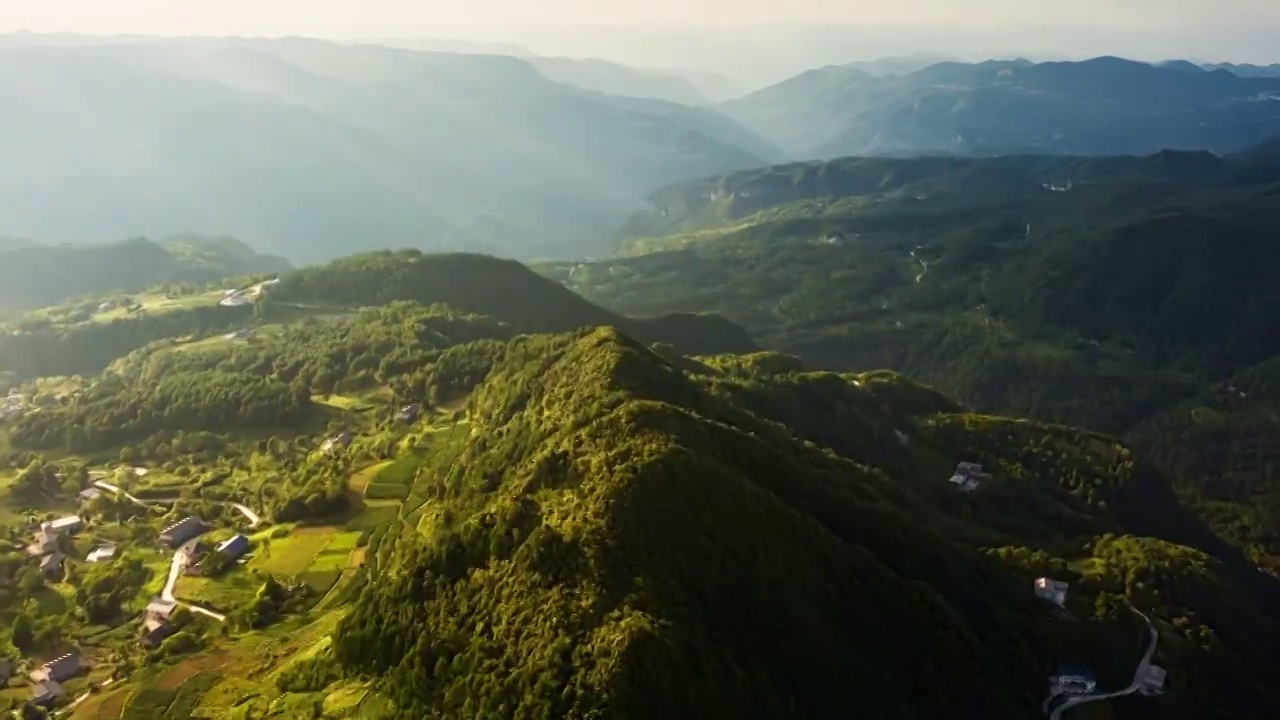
[[1103, 106], [311, 149]]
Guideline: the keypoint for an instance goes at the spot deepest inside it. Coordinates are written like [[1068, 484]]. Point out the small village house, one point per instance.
[[51, 564], [234, 547], [100, 553], [154, 631], [46, 692], [159, 608], [57, 669], [63, 525], [46, 542], [1055, 591], [408, 413], [192, 551], [182, 531], [968, 475], [1073, 681], [1151, 680], [155, 621], [89, 494]]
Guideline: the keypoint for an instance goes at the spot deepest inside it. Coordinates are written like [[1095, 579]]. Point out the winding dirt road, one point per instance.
[[1133, 686]]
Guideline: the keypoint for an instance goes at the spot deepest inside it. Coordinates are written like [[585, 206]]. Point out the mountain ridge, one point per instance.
[[1101, 106]]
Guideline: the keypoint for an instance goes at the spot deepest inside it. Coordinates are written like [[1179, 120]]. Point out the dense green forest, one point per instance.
[[626, 532], [1135, 298]]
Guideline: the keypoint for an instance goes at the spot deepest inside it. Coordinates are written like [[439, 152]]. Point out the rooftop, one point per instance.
[[103, 552]]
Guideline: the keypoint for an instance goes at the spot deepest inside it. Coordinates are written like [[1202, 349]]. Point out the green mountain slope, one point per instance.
[[1124, 301], [627, 536], [35, 275], [381, 146], [1102, 106], [79, 338]]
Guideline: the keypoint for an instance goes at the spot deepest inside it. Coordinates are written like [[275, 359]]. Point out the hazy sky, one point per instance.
[[406, 17]]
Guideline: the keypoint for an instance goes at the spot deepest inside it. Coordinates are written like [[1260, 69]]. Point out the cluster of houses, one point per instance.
[[968, 475], [47, 679], [1080, 681], [45, 544]]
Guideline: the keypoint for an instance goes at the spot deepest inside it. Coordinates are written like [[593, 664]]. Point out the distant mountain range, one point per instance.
[[312, 149], [1103, 106], [1243, 70]]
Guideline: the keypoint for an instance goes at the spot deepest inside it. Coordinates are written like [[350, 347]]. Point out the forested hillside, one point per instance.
[[1129, 295], [35, 275], [468, 491], [580, 556]]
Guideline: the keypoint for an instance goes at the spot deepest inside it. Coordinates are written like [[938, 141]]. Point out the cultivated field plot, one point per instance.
[[227, 592], [360, 480], [292, 554]]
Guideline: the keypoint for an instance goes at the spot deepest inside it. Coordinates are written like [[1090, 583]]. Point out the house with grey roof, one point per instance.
[[160, 608], [46, 692], [63, 525], [57, 669], [155, 630], [46, 542], [235, 546], [1151, 680], [182, 531], [51, 564], [100, 553], [1055, 591]]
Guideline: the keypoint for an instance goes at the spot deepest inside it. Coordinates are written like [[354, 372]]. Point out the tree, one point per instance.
[[23, 633], [31, 581]]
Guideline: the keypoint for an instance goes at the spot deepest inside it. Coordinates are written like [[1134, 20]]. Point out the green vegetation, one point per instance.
[[35, 275], [584, 521], [1138, 302], [578, 560]]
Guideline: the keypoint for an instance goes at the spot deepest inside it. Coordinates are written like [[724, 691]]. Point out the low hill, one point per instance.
[[504, 289], [1101, 292], [81, 338], [633, 536], [1102, 106], [34, 275]]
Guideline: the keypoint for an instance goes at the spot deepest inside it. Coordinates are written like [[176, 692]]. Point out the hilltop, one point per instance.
[[84, 337], [1129, 294], [34, 275], [1102, 106], [627, 535], [349, 147]]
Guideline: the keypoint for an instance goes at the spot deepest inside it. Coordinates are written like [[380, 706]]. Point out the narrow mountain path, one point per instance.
[[924, 266], [1133, 686]]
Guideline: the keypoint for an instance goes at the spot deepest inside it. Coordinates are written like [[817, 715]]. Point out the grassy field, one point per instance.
[[227, 592], [360, 480], [292, 554], [154, 303]]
